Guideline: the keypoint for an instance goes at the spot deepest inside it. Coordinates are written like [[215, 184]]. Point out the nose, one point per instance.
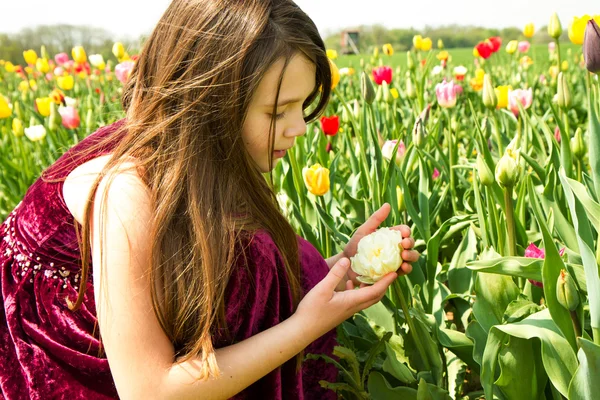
[[298, 128]]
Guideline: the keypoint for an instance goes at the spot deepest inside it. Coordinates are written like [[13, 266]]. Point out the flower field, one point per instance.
[[491, 155]]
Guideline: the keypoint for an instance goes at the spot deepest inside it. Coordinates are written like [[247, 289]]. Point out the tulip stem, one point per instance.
[[576, 323], [510, 220], [558, 53], [411, 326]]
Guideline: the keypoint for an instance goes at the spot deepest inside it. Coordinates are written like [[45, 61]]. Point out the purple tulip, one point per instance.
[[591, 47]]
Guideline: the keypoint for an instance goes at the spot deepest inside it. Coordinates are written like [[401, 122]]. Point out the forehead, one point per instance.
[[298, 79]]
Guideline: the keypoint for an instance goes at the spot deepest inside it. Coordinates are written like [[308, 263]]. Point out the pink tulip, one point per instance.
[[525, 97], [436, 174], [58, 71], [61, 58], [523, 46], [381, 74], [446, 93], [551, 47], [70, 117], [123, 70], [532, 251], [388, 148]]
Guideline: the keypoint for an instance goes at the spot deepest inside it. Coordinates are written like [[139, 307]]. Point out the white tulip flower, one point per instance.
[[378, 254]]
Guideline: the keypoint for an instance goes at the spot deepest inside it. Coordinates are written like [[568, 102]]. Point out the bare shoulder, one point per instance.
[[126, 186]]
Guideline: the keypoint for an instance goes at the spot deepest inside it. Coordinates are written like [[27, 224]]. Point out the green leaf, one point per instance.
[[494, 294], [459, 344], [586, 246], [585, 384], [553, 263], [393, 366], [559, 359], [523, 267]]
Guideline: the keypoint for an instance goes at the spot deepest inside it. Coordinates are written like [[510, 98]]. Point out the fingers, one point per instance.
[[336, 274], [410, 255], [376, 218], [408, 243], [371, 294], [405, 269]]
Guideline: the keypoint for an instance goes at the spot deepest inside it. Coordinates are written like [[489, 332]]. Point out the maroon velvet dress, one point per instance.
[[50, 352]]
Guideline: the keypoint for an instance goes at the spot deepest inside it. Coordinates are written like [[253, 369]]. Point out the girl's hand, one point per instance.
[[409, 256], [322, 308]]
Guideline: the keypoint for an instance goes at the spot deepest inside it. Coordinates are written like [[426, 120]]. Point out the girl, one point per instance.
[[200, 287]]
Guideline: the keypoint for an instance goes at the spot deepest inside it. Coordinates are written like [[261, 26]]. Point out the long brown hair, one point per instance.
[[186, 101]]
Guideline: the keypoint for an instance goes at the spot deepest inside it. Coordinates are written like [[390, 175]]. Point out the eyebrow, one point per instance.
[[284, 102]]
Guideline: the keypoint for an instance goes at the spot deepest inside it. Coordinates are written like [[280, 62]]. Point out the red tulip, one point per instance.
[[484, 49], [330, 125], [381, 74], [532, 251], [495, 43]]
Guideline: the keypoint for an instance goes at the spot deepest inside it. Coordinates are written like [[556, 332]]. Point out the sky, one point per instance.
[[131, 18]]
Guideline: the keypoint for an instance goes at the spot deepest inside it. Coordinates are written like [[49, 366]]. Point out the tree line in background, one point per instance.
[[61, 38], [453, 36]]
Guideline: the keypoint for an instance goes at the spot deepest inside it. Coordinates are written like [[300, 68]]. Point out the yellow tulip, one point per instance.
[[43, 105], [118, 50], [553, 71], [564, 65], [512, 46], [529, 30], [17, 127], [29, 70], [23, 86], [577, 29], [394, 93], [477, 82], [417, 41], [30, 56], [442, 55], [376, 52], [332, 54], [5, 110], [33, 84], [9, 67], [42, 65], [316, 179], [388, 49], [426, 44], [78, 54], [502, 95], [65, 82], [335, 74]]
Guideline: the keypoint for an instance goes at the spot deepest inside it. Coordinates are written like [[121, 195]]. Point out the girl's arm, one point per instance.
[[140, 355]]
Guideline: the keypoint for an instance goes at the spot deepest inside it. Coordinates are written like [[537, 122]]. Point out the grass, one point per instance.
[[461, 56]]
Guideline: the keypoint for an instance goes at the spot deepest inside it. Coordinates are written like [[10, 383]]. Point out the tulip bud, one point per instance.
[[356, 109], [578, 146], [55, 119], [411, 93], [440, 44], [566, 291], [366, 88], [345, 115], [89, 120], [508, 168], [418, 133], [591, 47], [379, 93], [44, 53], [554, 27], [485, 173], [564, 95], [17, 127], [489, 94], [387, 97], [400, 196], [410, 61]]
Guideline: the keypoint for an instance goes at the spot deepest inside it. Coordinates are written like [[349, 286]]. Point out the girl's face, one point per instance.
[[298, 83]]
